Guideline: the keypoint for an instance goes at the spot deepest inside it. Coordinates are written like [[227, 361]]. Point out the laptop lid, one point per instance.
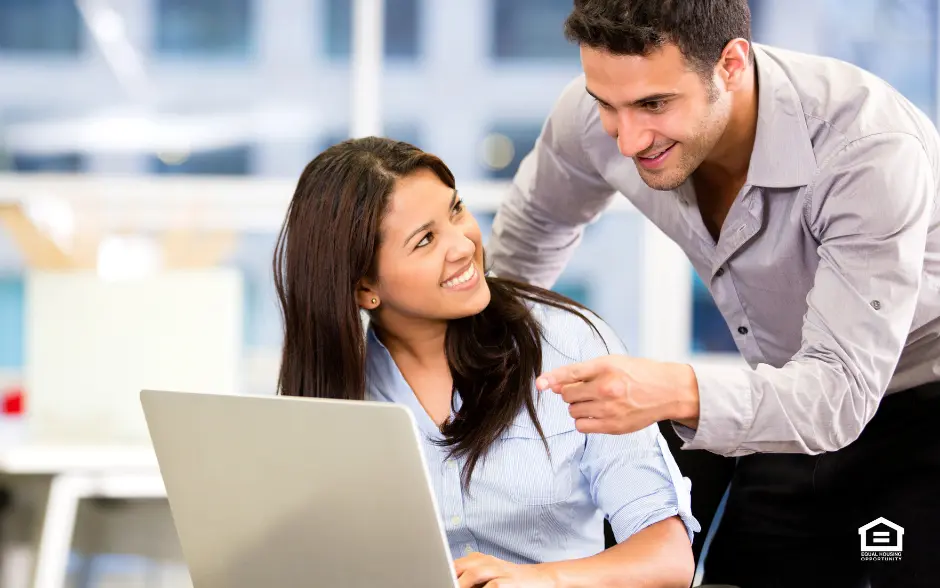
[[284, 491]]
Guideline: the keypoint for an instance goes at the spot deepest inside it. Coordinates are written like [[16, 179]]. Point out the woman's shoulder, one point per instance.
[[574, 334]]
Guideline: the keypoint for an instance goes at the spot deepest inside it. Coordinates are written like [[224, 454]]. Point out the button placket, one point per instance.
[[455, 514]]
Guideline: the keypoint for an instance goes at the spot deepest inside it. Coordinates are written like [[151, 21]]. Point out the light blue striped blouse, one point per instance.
[[524, 509]]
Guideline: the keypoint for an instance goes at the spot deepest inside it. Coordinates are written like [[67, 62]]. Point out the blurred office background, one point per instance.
[[151, 139]]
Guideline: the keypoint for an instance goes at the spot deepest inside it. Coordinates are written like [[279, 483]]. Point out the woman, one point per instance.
[[378, 225]]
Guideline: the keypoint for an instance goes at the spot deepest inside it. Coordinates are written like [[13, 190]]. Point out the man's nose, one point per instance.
[[632, 141]]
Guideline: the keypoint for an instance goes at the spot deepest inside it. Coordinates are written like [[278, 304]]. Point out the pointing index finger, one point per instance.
[[584, 371]]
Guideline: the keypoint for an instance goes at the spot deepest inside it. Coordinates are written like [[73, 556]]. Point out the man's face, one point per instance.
[[660, 111]]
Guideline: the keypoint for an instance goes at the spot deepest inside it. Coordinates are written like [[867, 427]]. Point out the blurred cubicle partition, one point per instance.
[[92, 344]]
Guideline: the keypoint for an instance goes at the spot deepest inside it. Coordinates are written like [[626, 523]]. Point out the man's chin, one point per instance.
[[664, 180]]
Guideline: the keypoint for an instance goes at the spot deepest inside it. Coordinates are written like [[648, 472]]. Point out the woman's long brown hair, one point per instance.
[[328, 243]]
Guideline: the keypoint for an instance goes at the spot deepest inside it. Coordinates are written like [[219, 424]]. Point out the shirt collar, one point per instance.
[[783, 154], [385, 382]]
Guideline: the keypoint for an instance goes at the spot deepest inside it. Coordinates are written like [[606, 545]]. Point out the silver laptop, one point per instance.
[[276, 492]]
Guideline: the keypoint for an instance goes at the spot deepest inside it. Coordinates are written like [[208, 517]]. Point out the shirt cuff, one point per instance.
[[686, 434], [725, 410]]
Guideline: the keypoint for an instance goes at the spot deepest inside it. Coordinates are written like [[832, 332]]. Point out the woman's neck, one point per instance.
[[418, 351], [420, 345]]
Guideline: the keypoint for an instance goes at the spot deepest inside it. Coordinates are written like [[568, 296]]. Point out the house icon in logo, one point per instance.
[[881, 535]]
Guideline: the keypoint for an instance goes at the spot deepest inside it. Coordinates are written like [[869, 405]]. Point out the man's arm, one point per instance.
[[553, 195], [870, 210]]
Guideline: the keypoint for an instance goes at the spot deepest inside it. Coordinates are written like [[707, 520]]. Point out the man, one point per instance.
[[804, 192]]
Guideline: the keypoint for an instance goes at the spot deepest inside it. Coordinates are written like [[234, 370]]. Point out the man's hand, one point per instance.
[[484, 571], [616, 394]]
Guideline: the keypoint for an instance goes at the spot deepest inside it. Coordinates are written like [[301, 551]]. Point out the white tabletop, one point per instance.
[[50, 459]]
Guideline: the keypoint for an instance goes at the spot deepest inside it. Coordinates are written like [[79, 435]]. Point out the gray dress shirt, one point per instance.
[[827, 269]]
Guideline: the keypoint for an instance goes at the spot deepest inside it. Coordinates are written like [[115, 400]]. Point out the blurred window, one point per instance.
[[231, 161], [262, 317], [577, 290], [204, 28], [11, 317], [402, 29], [40, 26], [894, 39], [71, 162], [531, 29], [407, 132], [506, 145], [710, 333]]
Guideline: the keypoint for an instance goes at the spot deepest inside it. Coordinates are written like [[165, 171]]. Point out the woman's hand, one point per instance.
[[484, 571]]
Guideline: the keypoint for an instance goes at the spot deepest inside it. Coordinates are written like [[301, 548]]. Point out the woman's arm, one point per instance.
[[631, 478], [659, 556], [636, 482]]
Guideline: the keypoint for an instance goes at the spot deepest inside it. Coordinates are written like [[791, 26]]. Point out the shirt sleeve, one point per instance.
[[555, 193], [633, 478], [869, 210]]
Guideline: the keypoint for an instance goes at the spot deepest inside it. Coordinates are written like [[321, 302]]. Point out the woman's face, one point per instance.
[[430, 261]]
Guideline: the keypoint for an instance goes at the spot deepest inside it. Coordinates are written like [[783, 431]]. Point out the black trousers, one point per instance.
[[793, 520]]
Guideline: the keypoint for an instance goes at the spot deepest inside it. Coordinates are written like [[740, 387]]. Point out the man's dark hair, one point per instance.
[[699, 28]]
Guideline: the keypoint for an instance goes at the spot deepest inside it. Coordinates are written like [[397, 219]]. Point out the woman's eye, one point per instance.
[[425, 241], [458, 207]]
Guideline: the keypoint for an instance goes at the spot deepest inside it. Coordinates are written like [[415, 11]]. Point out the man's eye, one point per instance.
[[425, 241]]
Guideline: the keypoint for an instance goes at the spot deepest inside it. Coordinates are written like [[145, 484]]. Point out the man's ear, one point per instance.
[[734, 63], [366, 296]]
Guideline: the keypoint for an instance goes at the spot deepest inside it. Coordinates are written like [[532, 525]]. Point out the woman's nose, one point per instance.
[[462, 247]]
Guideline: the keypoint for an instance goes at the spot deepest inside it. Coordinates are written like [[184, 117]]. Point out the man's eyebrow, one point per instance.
[[429, 224], [638, 102], [595, 96]]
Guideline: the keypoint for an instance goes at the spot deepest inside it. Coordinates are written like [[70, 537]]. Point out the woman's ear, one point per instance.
[[366, 296]]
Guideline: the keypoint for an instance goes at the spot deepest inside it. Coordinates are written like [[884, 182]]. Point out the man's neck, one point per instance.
[[730, 159]]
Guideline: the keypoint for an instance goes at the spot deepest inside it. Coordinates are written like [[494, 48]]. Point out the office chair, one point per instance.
[[609, 539]]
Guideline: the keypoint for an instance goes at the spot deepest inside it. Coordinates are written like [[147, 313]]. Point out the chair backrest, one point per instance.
[[609, 539]]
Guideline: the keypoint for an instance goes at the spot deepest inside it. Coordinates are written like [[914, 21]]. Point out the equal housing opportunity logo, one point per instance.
[[881, 540]]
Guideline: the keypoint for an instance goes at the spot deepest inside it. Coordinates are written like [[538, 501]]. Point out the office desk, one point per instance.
[[73, 474]]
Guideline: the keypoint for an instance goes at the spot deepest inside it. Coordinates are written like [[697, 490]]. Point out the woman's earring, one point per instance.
[[374, 301]]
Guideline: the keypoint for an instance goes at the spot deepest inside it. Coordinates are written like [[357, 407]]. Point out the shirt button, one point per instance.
[[468, 549], [720, 272], [455, 520], [742, 330]]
